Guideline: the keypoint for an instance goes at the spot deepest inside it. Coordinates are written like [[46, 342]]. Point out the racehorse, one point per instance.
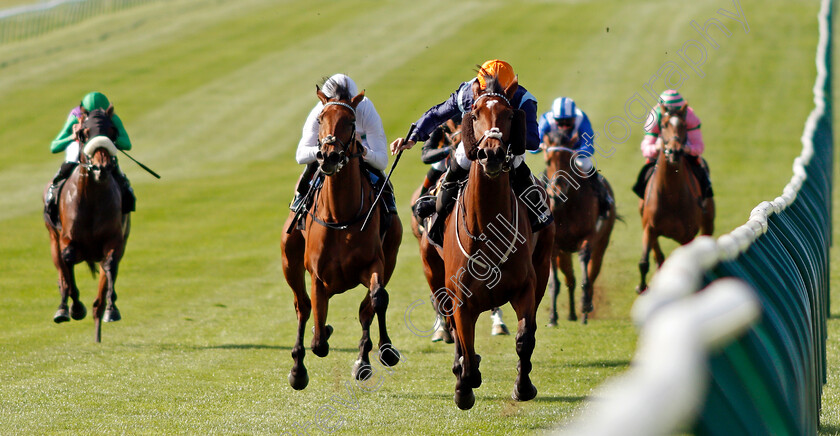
[[332, 247], [673, 206], [489, 255], [92, 227], [579, 225]]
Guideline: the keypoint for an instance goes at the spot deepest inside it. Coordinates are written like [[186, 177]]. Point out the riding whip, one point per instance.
[[388, 177], [141, 165]]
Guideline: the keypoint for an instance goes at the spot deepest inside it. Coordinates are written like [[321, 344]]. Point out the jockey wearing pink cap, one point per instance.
[[671, 101]]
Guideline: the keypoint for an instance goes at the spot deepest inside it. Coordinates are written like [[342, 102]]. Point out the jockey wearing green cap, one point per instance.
[[66, 142]]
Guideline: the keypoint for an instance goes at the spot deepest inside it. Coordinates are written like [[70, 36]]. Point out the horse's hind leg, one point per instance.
[[107, 278], [65, 259], [555, 290], [361, 368], [565, 261], [388, 355], [525, 306], [112, 314]]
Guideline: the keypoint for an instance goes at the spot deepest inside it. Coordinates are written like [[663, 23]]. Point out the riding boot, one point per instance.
[[642, 179], [126, 192], [388, 199], [700, 169], [526, 188], [452, 181], [303, 186], [51, 199], [425, 205]]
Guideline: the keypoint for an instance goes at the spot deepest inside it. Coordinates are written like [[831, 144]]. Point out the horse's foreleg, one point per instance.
[[644, 264], [320, 301], [585, 257], [555, 290], [707, 219], [658, 255], [466, 366], [298, 377], [525, 307]]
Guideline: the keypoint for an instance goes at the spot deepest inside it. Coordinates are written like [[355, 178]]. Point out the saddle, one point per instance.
[[318, 182]]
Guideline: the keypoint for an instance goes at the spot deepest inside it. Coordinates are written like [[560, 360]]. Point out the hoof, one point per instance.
[[572, 317], [322, 349], [500, 329], [362, 370], [464, 400], [525, 395], [300, 381], [641, 289], [585, 318], [442, 335], [78, 311], [389, 356], [61, 315], [112, 315]]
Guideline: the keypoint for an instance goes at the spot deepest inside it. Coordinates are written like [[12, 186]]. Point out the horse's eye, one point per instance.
[[473, 116]]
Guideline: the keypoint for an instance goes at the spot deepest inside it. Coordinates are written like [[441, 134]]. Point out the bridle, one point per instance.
[[495, 133], [344, 155], [679, 139]]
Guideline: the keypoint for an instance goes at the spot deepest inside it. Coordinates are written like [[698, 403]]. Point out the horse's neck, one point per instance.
[[485, 199], [670, 176], [341, 193], [564, 178]]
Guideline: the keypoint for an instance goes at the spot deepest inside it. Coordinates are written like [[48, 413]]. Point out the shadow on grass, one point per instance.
[[232, 347], [558, 399], [600, 364], [829, 429]]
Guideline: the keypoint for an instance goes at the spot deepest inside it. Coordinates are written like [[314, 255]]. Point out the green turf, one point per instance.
[[214, 95]]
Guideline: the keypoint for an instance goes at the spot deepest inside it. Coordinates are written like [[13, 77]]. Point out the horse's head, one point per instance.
[[674, 133], [96, 135], [337, 132], [502, 128]]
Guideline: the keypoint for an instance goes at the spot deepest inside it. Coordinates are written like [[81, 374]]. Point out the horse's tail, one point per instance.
[[92, 267]]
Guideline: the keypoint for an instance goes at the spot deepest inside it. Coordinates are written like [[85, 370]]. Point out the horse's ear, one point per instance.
[[517, 132], [682, 111], [476, 90], [321, 95], [357, 99], [511, 89], [110, 110], [468, 137], [84, 111]]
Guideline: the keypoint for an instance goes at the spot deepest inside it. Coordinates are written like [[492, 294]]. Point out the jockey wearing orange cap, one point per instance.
[[459, 103]]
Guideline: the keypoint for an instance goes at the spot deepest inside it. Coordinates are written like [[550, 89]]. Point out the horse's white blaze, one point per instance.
[[491, 103], [674, 121]]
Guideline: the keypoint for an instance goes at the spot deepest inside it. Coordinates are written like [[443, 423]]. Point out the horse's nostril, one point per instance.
[[482, 154], [319, 155]]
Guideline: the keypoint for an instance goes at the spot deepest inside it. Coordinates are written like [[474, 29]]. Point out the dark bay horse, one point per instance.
[[489, 255], [579, 225], [333, 248], [92, 225], [673, 205]]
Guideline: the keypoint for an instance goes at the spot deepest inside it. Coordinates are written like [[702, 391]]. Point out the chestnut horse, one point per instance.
[[579, 227], [92, 225], [333, 248], [673, 205], [489, 255]]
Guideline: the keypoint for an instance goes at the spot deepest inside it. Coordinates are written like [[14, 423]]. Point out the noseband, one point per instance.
[[332, 139], [495, 133]]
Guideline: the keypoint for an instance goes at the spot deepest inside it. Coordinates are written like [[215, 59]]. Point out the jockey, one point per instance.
[[460, 102], [436, 152], [66, 142], [568, 119], [369, 132], [671, 101]]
